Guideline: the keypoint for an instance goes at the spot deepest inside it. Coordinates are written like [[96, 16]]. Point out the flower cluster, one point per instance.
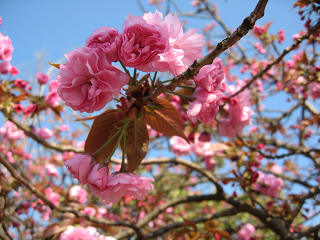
[[246, 232], [207, 95], [81, 233], [9, 132], [238, 111], [200, 147], [268, 184], [110, 188], [6, 50], [88, 81]]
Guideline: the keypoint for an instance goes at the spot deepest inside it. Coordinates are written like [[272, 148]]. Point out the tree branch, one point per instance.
[[278, 59], [229, 41], [29, 132]]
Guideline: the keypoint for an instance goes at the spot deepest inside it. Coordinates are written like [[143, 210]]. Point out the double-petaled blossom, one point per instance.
[[314, 90], [9, 131], [246, 232], [210, 76], [6, 48], [183, 48], [51, 170], [52, 97], [81, 233], [205, 106], [78, 193], [269, 184], [238, 112], [112, 188], [105, 39], [5, 67], [42, 78], [80, 166], [52, 196], [179, 146], [88, 81], [44, 133], [140, 43]]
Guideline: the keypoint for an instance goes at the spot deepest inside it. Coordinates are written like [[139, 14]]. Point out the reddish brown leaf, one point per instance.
[[304, 58], [103, 127], [165, 120], [137, 142]]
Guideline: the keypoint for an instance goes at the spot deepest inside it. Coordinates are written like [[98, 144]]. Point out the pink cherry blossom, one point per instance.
[[90, 211], [14, 71], [98, 177], [45, 212], [260, 48], [5, 67], [6, 48], [209, 163], [246, 232], [54, 85], [104, 39], [52, 196], [80, 166], [179, 146], [259, 30], [205, 106], [121, 184], [140, 43], [51, 170], [20, 83], [183, 49], [268, 184], [79, 193], [52, 98], [88, 81], [44, 133], [29, 109], [81, 233], [314, 90], [64, 128], [10, 131], [276, 169], [42, 78], [210, 76], [202, 148], [281, 36], [239, 112]]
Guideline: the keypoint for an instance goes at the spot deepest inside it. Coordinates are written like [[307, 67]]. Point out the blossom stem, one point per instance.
[[122, 169], [181, 95], [106, 143], [125, 69], [123, 132], [154, 79]]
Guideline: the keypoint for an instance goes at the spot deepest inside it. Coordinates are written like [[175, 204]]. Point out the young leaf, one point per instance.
[[137, 142], [165, 120], [56, 65], [104, 127]]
